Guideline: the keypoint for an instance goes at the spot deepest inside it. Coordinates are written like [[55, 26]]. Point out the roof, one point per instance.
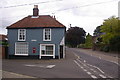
[[40, 21]]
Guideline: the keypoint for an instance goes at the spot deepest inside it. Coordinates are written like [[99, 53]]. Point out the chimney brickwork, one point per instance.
[[35, 10]]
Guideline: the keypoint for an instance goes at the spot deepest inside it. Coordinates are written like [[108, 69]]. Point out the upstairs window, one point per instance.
[[47, 34], [21, 34]]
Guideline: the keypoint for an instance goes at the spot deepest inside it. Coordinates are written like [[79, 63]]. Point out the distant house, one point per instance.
[[36, 36], [3, 46]]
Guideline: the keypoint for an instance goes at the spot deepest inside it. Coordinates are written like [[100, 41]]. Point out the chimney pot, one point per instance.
[[35, 10], [35, 6]]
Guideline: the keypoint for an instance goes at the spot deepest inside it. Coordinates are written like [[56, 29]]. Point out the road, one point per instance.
[[76, 65]]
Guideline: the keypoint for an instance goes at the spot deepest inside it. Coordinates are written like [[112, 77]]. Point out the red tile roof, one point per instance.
[[41, 21]]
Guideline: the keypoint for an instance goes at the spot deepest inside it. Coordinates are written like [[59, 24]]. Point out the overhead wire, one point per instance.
[[55, 11], [29, 4]]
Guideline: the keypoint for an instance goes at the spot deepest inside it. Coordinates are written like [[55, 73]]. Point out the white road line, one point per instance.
[[94, 71], [102, 76], [82, 67], [99, 69], [50, 66], [30, 65], [77, 63], [100, 58], [84, 60], [89, 73], [93, 76], [92, 66], [77, 56], [85, 70], [110, 77]]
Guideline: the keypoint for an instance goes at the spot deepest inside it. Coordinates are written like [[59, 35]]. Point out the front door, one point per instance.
[[61, 51]]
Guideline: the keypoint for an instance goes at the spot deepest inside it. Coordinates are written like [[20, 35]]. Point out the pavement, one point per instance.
[[113, 57], [14, 75]]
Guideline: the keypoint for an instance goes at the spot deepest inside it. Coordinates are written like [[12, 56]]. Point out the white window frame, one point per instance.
[[44, 35], [21, 54], [47, 45], [19, 34]]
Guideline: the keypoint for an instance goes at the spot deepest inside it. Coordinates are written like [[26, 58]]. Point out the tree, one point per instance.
[[97, 31], [75, 36], [88, 41], [110, 29]]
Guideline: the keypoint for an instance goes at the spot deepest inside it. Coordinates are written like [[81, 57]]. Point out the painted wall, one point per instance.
[[35, 34]]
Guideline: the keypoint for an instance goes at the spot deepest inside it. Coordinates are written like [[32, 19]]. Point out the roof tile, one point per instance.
[[41, 21]]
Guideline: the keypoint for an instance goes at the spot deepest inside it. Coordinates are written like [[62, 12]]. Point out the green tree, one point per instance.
[[75, 36], [110, 29], [97, 31], [88, 41]]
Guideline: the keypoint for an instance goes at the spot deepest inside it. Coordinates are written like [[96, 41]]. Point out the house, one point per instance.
[[36, 36], [3, 46]]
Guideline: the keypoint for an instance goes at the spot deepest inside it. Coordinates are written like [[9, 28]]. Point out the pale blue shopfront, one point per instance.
[[34, 38]]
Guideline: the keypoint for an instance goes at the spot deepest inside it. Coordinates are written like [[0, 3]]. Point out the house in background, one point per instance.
[[36, 36], [3, 46]]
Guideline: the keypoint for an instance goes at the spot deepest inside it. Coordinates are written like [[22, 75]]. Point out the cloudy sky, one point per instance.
[[87, 14]]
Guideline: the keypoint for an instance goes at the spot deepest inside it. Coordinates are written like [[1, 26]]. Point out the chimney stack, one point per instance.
[[35, 10]]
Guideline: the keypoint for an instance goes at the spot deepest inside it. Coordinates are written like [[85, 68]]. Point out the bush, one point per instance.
[[115, 44], [106, 48], [84, 46]]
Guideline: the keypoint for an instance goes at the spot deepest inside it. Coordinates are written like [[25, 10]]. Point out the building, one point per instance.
[[3, 46], [36, 36]]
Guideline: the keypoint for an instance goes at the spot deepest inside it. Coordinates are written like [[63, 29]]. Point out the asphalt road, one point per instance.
[[76, 65], [97, 66]]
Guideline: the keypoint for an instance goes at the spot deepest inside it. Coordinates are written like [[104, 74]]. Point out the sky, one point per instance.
[[87, 14]]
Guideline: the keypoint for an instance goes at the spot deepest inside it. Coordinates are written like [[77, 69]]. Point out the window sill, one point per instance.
[[22, 40], [46, 40], [21, 54]]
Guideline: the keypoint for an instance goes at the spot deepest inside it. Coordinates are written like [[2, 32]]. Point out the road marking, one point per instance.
[[94, 71], [85, 70], [82, 67], [84, 60], [50, 66], [88, 73], [100, 58], [110, 77], [99, 69], [30, 65], [93, 76], [42, 66], [77, 63], [102, 76], [77, 56]]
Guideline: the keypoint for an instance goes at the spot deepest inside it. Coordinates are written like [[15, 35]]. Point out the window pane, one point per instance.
[[49, 52], [21, 48], [21, 34], [47, 34], [49, 47], [43, 52]]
